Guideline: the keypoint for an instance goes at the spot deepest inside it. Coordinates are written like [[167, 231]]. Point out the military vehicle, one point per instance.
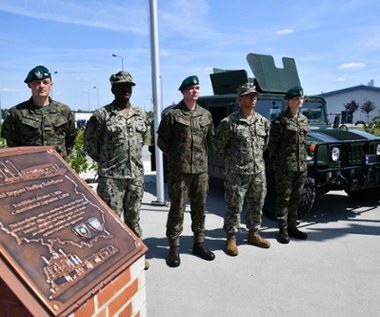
[[338, 159]]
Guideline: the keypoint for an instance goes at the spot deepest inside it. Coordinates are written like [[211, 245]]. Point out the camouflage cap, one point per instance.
[[294, 92], [189, 81], [122, 77], [37, 73], [246, 89]]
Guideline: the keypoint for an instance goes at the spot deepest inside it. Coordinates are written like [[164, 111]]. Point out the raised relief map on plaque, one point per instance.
[[55, 233]]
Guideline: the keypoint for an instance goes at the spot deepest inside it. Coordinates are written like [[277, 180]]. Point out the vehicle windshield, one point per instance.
[[269, 108], [313, 110]]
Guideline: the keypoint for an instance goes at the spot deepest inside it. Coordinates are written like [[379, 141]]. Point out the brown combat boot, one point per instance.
[[231, 247], [254, 238]]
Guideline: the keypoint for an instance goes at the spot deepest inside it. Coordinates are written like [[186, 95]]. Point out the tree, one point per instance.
[[351, 106], [368, 107]]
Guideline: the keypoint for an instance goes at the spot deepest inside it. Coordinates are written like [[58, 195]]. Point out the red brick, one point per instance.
[[87, 309], [113, 287], [124, 297], [126, 312], [102, 313]]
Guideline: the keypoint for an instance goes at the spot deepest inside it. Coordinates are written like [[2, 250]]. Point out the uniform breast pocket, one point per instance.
[[303, 133], [115, 133], [30, 128], [182, 127], [261, 132], [59, 126], [243, 133], [140, 126]]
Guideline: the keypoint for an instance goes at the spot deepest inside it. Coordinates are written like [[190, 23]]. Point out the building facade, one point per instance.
[[360, 94]]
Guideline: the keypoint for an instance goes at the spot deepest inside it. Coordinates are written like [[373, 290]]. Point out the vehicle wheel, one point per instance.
[[307, 197], [306, 202], [369, 195]]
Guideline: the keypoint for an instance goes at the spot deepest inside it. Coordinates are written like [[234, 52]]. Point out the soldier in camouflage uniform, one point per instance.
[[241, 139], [184, 135], [40, 121], [114, 138], [287, 150]]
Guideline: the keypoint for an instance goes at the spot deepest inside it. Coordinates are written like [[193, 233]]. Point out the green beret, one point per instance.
[[294, 92], [37, 73], [189, 81], [246, 89], [122, 77]]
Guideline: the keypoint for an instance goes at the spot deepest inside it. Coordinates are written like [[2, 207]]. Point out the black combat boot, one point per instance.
[[295, 233], [173, 259], [283, 236], [201, 250]]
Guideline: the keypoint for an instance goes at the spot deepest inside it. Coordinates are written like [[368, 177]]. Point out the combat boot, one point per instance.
[[254, 238], [295, 233], [173, 259], [231, 247], [283, 236], [201, 250]]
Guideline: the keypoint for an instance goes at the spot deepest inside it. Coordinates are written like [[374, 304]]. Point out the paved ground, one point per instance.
[[335, 272]]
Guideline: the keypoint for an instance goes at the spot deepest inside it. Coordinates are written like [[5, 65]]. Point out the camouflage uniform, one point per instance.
[[184, 136], [242, 143], [288, 151], [29, 125], [115, 141]]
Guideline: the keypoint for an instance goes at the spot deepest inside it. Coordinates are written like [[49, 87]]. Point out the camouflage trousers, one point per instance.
[[124, 197], [239, 188], [288, 187], [181, 187]]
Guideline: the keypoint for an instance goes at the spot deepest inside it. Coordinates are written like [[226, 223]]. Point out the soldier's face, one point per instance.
[[248, 101], [296, 102], [41, 88], [191, 92], [122, 91]]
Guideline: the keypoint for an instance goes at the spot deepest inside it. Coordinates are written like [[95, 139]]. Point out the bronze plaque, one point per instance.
[[56, 234]]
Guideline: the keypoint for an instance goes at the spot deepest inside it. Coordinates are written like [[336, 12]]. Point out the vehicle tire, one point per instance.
[[306, 201], [307, 197], [368, 195]]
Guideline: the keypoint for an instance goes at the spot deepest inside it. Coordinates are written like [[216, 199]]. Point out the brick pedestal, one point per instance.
[[124, 296]]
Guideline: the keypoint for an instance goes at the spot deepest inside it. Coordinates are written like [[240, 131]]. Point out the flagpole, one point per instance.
[[156, 90]]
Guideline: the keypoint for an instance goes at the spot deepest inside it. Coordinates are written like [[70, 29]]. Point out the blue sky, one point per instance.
[[336, 44]]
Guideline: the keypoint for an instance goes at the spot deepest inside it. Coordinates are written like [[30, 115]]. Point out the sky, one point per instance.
[[335, 44]]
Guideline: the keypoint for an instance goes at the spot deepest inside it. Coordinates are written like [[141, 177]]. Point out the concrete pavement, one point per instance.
[[335, 272]]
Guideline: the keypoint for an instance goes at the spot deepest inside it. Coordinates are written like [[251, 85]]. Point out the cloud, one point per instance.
[[8, 89], [340, 79], [95, 15], [352, 66], [285, 31]]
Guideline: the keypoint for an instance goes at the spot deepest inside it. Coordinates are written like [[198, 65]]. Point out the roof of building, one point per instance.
[[350, 89]]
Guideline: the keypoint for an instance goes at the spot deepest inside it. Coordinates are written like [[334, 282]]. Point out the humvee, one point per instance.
[[338, 159]]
